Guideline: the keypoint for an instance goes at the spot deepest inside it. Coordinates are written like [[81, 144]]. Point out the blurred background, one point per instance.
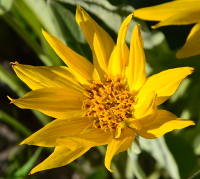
[[174, 156]]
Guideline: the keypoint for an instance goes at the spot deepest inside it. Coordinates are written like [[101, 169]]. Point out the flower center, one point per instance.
[[109, 102]]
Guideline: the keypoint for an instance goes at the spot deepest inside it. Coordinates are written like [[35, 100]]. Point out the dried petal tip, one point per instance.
[[11, 100], [14, 63], [30, 173]]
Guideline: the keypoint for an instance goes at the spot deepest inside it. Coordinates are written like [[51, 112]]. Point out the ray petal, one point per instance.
[[100, 42], [192, 45], [119, 145], [163, 123], [52, 100], [147, 107], [60, 157], [79, 66], [136, 72], [90, 139], [120, 54], [164, 83], [180, 18], [164, 11], [48, 135], [42, 76]]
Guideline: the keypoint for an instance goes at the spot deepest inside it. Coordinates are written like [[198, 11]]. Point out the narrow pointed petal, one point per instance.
[[192, 45], [48, 135], [120, 54], [146, 112], [164, 11], [136, 71], [37, 77], [79, 66], [51, 100], [60, 157], [181, 18], [90, 139], [163, 123], [164, 83], [119, 145], [100, 42], [147, 107]]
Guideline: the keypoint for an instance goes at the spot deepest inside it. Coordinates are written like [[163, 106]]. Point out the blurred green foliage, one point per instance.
[[174, 156]]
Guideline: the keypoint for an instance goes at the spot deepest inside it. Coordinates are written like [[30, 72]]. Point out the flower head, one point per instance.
[[177, 12], [105, 103]]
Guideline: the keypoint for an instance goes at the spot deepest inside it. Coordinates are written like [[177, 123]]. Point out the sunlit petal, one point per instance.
[[100, 42], [163, 123], [164, 11], [120, 54], [90, 139], [181, 18], [164, 83], [42, 76], [147, 107], [60, 157], [119, 145], [136, 72], [192, 45], [50, 100], [78, 65], [48, 135]]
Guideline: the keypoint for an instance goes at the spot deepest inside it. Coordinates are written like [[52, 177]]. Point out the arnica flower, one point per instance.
[[105, 103], [178, 12]]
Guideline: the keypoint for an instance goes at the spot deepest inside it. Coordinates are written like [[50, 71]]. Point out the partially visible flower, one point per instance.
[[178, 12], [105, 103]]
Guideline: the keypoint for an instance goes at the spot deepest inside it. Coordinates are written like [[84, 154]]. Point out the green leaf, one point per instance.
[[25, 169], [112, 16], [133, 167], [71, 32], [159, 150], [183, 154], [5, 6], [44, 15], [38, 16], [67, 23]]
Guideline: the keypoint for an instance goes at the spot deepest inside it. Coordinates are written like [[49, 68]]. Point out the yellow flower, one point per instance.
[[178, 12], [105, 103]]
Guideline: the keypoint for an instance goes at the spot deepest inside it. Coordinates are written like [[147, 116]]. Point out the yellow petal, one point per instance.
[[41, 76], [181, 18], [164, 83], [164, 11], [192, 45], [147, 107], [119, 145], [100, 42], [120, 54], [136, 72], [163, 123], [134, 124], [90, 139], [48, 135], [79, 66], [60, 157], [52, 100]]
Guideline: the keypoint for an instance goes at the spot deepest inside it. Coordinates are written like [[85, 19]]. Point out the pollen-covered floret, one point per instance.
[[109, 101]]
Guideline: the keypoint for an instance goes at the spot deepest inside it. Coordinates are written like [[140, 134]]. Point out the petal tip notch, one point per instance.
[[11, 100], [14, 63]]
